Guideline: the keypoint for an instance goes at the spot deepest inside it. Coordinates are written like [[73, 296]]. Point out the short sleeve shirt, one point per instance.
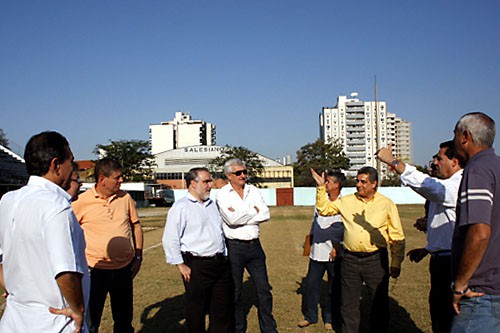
[[39, 239], [479, 202], [106, 224]]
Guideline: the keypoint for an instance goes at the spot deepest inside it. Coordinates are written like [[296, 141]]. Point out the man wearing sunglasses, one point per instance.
[[242, 208]]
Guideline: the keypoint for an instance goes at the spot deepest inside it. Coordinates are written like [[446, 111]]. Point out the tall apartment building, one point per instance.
[[181, 132], [363, 127], [404, 148]]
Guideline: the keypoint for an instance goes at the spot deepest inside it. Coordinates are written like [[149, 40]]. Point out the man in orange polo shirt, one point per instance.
[[113, 234]]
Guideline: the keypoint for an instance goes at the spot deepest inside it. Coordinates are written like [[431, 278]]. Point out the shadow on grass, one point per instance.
[[400, 319], [301, 290], [164, 316]]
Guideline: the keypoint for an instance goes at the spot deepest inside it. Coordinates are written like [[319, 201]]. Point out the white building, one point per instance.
[[404, 149], [362, 128], [172, 166], [181, 132]]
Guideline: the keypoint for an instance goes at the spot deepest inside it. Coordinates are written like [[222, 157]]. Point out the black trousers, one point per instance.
[[440, 298], [250, 255], [373, 270], [209, 290], [118, 283]]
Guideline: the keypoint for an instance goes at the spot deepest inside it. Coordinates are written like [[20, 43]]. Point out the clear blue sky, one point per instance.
[[260, 70]]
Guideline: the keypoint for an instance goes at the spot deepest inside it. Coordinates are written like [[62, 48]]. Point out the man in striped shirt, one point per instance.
[[476, 240]]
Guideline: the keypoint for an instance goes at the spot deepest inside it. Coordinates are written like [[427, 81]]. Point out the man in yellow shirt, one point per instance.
[[371, 226]]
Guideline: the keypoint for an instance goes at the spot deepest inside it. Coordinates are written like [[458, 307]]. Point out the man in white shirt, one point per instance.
[[442, 193], [326, 233], [193, 240], [242, 208], [42, 246]]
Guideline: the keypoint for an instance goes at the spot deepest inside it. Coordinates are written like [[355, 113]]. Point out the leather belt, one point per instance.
[[245, 241], [217, 256], [363, 254]]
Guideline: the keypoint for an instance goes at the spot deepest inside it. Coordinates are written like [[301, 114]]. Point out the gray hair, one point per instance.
[[233, 161], [480, 126]]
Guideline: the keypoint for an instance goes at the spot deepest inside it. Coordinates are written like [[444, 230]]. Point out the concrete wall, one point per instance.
[[306, 196]]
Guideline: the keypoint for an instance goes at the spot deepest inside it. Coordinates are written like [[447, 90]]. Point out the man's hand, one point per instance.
[[468, 294], [385, 154], [394, 272], [136, 266], [320, 180], [185, 271], [68, 312], [416, 255], [333, 254], [421, 224]]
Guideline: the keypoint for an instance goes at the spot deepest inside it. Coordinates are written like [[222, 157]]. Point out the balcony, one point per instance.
[[356, 148], [350, 116], [357, 161], [355, 103], [355, 122], [355, 135]]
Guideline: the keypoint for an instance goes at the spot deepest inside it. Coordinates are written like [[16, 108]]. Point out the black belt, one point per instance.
[[246, 241], [364, 254], [441, 253], [190, 256]]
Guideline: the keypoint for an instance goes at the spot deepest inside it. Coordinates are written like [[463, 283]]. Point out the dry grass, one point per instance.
[[158, 305]]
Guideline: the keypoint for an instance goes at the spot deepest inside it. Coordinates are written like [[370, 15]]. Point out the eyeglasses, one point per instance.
[[239, 172]]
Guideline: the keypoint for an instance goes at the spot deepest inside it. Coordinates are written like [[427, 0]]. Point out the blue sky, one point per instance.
[[260, 70]]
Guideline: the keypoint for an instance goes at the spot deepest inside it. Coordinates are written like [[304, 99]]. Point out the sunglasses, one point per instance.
[[239, 172]]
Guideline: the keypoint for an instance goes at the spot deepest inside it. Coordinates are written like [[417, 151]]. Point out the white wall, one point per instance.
[[306, 196]]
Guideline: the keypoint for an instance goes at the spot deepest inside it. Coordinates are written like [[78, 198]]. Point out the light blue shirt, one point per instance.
[[194, 227]]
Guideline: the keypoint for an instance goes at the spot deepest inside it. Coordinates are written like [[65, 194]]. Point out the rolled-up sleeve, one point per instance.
[[396, 236]]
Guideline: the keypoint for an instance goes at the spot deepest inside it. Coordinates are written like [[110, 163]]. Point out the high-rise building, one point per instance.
[[181, 132], [404, 148], [362, 128]]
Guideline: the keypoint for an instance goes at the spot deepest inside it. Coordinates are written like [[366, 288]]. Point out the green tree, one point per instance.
[[252, 161], [392, 180], [318, 155], [134, 156], [3, 139]]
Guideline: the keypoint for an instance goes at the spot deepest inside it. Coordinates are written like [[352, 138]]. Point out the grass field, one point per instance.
[[158, 293]]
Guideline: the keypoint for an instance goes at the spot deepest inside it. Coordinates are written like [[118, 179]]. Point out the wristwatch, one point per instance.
[[458, 292], [394, 164]]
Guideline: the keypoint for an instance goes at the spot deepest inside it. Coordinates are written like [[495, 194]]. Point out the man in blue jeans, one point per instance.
[[242, 208], [476, 241], [326, 234]]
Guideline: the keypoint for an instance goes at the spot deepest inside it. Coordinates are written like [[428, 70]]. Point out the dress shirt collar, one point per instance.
[[246, 188], [191, 198], [47, 184], [457, 174], [364, 199]]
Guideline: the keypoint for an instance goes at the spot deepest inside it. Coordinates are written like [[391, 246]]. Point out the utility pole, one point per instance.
[[377, 139]]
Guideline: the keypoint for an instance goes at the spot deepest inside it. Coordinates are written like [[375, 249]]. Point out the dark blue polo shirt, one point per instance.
[[479, 202]]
